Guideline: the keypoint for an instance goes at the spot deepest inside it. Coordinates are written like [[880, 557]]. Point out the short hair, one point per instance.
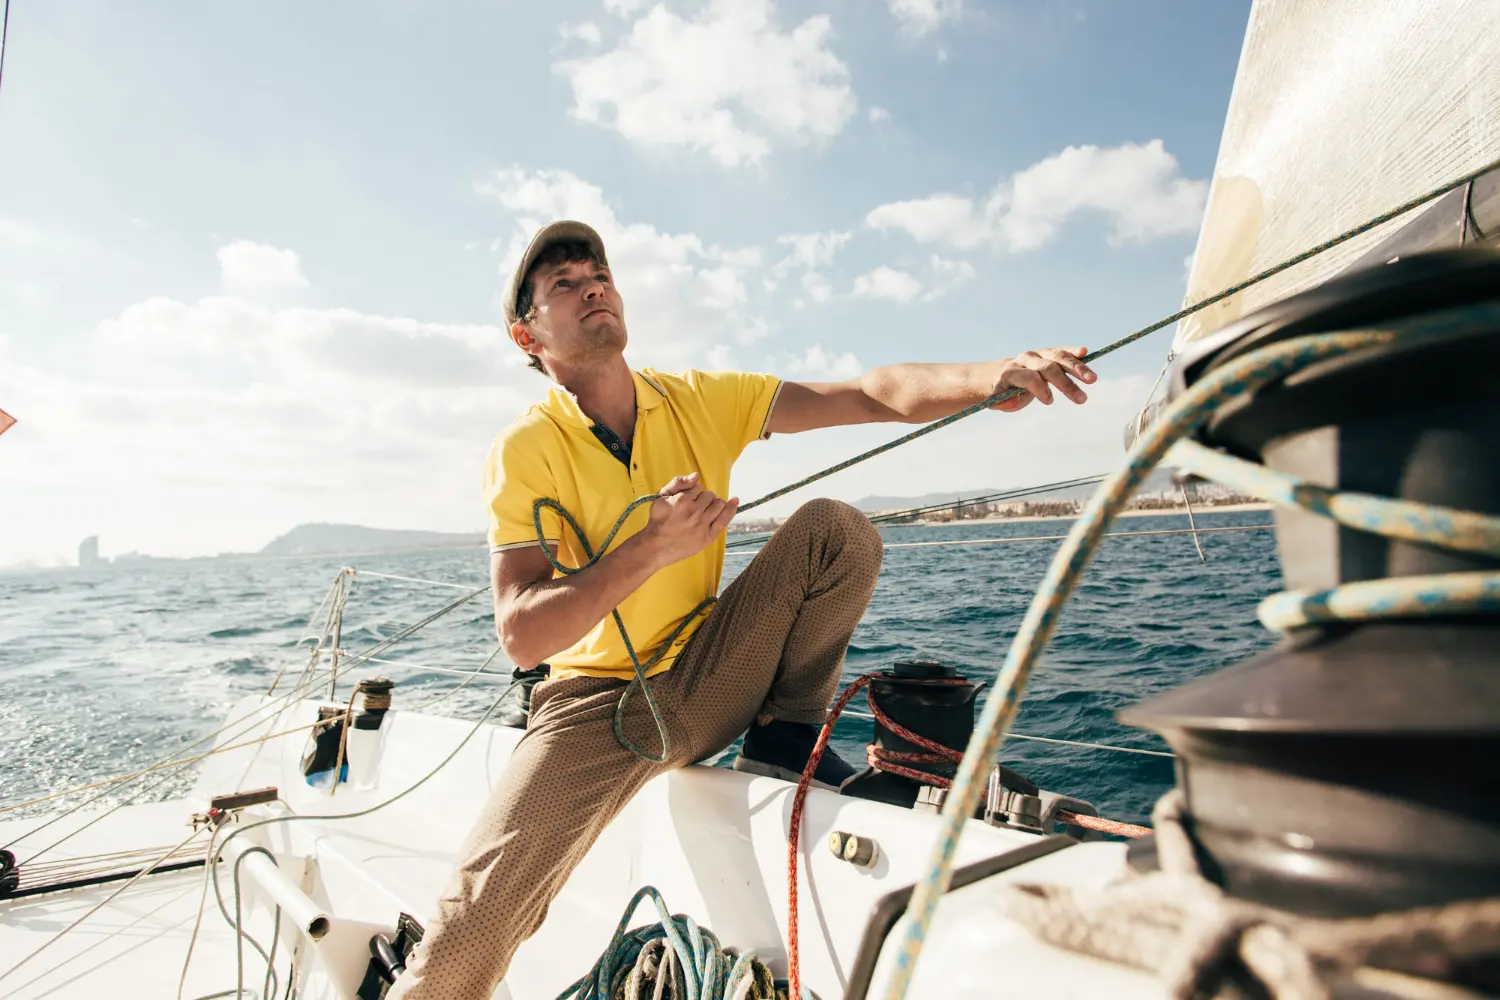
[[561, 252]]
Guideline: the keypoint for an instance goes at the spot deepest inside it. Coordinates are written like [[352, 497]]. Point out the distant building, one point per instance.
[[88, 552]]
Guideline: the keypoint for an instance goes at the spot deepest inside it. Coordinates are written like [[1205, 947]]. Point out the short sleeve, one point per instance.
[[739, 403], [513, 481]]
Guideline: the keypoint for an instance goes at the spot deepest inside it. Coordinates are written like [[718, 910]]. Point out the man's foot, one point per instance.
[[780, 749]]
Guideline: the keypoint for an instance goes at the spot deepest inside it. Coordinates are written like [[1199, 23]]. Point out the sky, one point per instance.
[[251, 254]]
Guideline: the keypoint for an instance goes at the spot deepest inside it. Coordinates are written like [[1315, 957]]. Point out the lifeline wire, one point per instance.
[[1414, 596], [1256, 279], [897, 515]]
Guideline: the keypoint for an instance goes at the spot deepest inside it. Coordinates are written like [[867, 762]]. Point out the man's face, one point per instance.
[[578, 316]]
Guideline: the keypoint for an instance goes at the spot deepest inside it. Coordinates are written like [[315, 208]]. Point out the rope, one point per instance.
[[1244, 375], [641, 669], [893, 762], [1177, 923], [673, 958], [178, 765], [100, 905], [414, 579], [4, 36], [426, 668], [1256, 279], [1048, 739], [1101, 825]]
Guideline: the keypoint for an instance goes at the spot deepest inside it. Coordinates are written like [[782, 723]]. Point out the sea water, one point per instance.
[[108, 670]]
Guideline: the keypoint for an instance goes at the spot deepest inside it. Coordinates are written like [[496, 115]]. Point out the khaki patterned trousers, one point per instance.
[[773, 646]]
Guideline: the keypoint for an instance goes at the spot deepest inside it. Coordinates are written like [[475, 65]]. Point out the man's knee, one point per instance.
[[846, 523]]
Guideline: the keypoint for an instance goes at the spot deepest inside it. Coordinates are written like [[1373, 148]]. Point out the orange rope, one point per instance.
[[1102, 825], [891, 761]]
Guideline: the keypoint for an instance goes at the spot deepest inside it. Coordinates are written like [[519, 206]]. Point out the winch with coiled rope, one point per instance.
[[1327, 820]]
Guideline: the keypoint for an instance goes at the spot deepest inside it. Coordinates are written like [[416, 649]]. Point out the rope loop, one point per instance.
[[641, 669]]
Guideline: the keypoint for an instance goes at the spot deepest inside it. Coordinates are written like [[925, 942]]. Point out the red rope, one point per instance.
[[891, 761], [1102, 825], [882, 759]]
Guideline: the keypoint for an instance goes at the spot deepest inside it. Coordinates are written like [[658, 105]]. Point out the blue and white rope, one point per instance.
[[1448, 593]]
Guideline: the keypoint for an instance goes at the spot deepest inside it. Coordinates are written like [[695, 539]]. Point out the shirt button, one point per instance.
[[614, 447]]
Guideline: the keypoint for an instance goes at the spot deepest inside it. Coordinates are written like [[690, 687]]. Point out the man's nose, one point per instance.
[[593, 289]]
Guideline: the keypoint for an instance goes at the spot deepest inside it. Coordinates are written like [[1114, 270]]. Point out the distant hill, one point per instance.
[[352, 539], [1158, 481]]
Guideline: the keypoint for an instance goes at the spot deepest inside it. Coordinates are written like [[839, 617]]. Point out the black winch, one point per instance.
[[929, 699], [1350, 771]]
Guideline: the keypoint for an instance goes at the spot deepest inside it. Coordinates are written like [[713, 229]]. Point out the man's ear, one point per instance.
[[520, 333]]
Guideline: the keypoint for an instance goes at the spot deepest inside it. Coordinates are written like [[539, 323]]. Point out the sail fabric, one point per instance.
[[1340, 111]]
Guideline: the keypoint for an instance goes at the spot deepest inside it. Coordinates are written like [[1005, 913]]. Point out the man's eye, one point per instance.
[[565, 283]]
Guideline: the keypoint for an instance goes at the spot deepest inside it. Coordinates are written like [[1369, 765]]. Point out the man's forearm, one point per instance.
[[917, 393], [545, 618]]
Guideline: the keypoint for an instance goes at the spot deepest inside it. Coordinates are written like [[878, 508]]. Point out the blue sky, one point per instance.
[[250, 255]]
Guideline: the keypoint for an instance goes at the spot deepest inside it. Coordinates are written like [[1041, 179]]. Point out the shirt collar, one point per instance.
[[563, 405]]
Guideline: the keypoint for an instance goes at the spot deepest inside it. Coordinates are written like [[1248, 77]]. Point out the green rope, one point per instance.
[[703, 970], [1000, 397], [635, 661]]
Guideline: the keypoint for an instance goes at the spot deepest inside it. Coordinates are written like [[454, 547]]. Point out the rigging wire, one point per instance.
[[891, 516], [4, 34], [1131, 338]]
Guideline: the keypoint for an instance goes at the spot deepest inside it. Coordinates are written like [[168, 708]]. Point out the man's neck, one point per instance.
[[606, 395]]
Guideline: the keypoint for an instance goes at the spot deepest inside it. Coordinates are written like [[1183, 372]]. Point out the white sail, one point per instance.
[[1341, 110]]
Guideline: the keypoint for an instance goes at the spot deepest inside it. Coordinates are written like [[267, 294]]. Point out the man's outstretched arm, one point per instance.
[[537, 617], [918, 393]]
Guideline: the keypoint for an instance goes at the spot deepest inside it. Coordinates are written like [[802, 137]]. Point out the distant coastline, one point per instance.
[[1233, 508], [349, 541]]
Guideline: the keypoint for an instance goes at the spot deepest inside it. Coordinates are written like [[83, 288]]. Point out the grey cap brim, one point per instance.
[[566, 229]]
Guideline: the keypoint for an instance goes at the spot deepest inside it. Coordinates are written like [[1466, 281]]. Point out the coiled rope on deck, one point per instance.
[[1409, 596], [672, 959]]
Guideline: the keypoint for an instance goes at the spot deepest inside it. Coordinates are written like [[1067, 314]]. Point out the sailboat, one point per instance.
[[1333, 831]]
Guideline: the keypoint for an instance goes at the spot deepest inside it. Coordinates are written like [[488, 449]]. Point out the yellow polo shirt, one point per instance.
[[691, 422]]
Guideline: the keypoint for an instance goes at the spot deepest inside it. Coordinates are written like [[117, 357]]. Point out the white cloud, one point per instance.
[[623, 8], [253, 270], [947, 275], [726, 81], [887, 283], [140, 224], [879, 115], [682, 296], [817, 287], [903, 287], [586, 31], [220, 423], [1136, 186], [811, 250], [922, 17], [821, 364]]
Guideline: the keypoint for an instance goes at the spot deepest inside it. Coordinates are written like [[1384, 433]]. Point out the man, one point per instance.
[[764, 661]]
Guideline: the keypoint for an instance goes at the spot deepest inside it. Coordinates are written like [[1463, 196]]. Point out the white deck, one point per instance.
[[712, 841]]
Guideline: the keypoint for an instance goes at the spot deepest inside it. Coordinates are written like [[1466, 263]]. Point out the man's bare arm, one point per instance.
[[537, 617], [918, 393]]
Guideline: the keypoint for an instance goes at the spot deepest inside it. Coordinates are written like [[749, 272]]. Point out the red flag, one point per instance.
[[6, 420]]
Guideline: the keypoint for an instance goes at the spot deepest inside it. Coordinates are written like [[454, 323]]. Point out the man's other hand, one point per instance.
[[686, 519], [1037, 373]]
